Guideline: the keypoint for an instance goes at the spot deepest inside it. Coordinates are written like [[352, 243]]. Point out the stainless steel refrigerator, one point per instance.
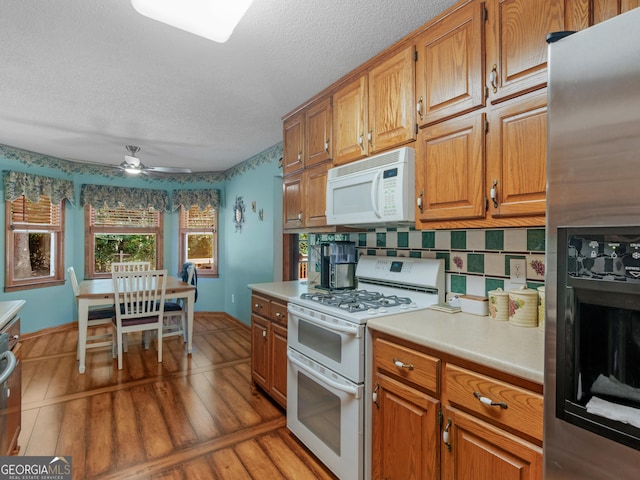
[[592, 346]]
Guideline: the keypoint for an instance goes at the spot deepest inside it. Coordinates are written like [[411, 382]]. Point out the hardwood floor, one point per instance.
[[190, 417]]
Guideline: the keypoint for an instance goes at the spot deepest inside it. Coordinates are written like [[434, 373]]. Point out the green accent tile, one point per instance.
[[392, 229], [507, 263], [446, 259], [494, 239], [381, 239], [362, 239], [534, 285], [428, 239], [475, 262], [403, 239], [536, 240], [392, 253], [459, 284], [414, 254], [459, 240], [493, 284], [371, 252]]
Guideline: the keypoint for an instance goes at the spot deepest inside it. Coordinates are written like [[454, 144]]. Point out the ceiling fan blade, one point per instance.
[[168, 170]]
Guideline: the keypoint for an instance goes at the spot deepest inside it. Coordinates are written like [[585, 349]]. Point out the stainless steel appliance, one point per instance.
[[592, 344], [329, 354], [337, 265], [8, 364], [375, 191]]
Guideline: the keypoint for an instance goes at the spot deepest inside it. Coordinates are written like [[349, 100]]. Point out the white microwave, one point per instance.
[[378, 190]]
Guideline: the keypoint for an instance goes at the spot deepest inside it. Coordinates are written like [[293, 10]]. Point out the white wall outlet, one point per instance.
[[518, 270], [233, 298]]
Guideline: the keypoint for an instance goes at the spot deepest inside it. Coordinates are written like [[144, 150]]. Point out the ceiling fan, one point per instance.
[[134, 166]]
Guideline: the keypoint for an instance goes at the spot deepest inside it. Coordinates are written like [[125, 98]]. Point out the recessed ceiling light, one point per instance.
[[212, 19]]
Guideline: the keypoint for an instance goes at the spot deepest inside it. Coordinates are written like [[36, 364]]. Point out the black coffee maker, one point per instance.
[[337, 265]]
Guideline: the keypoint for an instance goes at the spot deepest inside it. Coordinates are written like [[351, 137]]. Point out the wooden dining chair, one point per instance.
[[175, 313], [139, 306], [130, 266], [97, 316]]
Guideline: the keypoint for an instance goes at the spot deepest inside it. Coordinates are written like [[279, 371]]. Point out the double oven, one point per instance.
[[329, 356]]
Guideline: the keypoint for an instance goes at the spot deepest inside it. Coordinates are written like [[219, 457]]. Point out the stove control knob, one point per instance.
[[404, 306], [413, 305], [372, 311], [382, 310]]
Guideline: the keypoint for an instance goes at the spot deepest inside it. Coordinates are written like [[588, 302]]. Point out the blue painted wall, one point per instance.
[[244, 256]]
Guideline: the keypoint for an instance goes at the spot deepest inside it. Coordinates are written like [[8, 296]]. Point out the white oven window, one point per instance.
[[319, 411], [320, 340]]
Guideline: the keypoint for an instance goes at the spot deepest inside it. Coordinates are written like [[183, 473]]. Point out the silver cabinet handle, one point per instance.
[[488, 401], [445, 435], [401, 364], [419, 107], [494, 193], [493, 78]]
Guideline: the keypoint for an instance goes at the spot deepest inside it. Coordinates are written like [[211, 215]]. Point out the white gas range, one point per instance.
[[330, 356]]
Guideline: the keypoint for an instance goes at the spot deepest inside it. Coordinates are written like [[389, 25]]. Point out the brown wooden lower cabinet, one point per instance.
[[429, 422], [482, 451], [269, 346]]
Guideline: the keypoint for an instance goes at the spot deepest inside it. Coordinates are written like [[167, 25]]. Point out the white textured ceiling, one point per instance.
[[80, 79]]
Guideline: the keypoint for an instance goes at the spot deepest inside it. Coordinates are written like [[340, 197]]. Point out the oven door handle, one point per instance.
[[355, 391], [355, 331], [11, 365]]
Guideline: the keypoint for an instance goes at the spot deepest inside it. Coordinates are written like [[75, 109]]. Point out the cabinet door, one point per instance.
[[405, 433], [449, 72], [292, 201], [392, 115], [279, 364], [450, 170], [479, 451], [293, 144], [606, 9], [516, 44], [350, 122], [517, 153], [260, 351], [316, 195], [14, 404], [318, 132]]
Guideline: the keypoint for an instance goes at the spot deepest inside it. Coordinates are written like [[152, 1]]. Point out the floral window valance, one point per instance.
[[33, 186], [131, 198], [196, 198]]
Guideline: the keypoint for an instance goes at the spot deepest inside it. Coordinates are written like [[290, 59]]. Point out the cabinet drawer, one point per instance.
[[279, 313], [472, 392], [411, 365], [13, 330], [260, 305]]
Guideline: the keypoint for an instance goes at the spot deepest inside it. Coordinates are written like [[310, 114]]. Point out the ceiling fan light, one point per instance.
[[133, 169], [212, 19]]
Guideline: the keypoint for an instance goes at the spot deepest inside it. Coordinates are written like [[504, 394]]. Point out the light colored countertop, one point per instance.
[[518, 351], [283, 290], [514, 350], [8, 310]]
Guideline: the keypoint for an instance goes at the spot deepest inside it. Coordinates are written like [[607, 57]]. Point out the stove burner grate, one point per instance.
[[356, 300]]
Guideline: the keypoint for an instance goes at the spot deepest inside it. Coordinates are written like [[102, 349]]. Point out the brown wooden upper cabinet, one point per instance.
[[449, 71], [376, 111], [293, 144], [516, 60], [318, 132]]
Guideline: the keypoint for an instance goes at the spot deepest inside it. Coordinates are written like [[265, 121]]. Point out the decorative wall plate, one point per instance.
[[238, 213]]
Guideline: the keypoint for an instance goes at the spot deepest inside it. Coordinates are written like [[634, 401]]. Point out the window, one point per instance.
[[34, 243], [121, 234], [199, 239]]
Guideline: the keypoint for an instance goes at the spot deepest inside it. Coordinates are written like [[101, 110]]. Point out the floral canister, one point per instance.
[[523, 307], [499, 304], [541, 306]]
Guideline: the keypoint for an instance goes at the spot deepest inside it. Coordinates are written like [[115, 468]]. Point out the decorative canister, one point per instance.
[[523, 307], [499, 304], [541, 307]]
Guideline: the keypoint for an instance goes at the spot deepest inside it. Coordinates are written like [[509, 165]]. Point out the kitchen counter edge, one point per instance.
[[8, 310]]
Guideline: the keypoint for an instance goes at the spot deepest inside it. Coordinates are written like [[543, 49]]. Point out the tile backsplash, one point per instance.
[[476, 261]]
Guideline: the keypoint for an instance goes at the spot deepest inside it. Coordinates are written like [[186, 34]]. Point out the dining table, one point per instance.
[[100, 292]]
